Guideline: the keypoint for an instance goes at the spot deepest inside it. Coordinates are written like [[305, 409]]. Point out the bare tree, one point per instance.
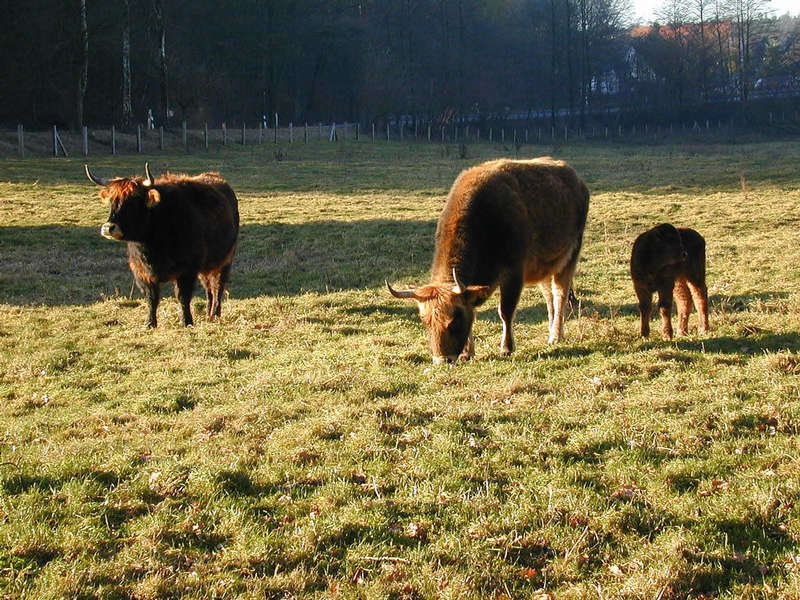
[[161, 32], [83, 70], [747, 16], [127, 104]]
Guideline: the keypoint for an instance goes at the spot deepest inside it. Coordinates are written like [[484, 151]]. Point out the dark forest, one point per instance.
[[85, 62]]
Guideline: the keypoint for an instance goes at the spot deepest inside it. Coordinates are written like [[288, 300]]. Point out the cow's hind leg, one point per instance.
[[207, 284], [700, 298], [645, 297], [510, 291], [221, 282], [665, 309], [683, 301], [560, 285], [184, 286]]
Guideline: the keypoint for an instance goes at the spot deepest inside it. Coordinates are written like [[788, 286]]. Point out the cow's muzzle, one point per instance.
[[442, 360], [111, 231]]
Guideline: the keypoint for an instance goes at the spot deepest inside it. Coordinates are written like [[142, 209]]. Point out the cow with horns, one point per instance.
[[177, 228], [505, 223]]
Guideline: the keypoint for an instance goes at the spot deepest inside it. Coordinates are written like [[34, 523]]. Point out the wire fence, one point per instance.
[[148, 140]]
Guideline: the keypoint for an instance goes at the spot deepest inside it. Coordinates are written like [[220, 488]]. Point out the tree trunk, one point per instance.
[[127, 104], [83, 76], [161, 30]]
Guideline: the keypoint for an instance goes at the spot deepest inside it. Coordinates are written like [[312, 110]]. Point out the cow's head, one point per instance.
[[447, 311], [131, 200], [666, 246]]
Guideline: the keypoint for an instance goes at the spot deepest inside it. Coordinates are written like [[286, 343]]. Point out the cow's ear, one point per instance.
[[153, 197], [476, 294]]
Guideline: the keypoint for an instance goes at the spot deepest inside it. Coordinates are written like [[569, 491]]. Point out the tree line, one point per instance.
[[76, 62]]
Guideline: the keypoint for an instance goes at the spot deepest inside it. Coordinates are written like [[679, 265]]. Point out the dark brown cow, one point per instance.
[[671, 262], [505, 223], [178, 228]]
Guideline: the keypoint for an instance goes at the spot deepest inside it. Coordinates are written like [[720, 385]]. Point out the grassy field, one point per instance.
[[305, 446]]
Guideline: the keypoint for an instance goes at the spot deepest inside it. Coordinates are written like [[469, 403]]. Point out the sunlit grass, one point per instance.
[[306, 446]]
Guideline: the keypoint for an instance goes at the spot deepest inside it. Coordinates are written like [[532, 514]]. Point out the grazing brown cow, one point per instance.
[[505, 223], [671, 262], [178, 228]]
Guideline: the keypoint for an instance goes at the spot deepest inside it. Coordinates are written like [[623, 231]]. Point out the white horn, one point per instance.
[[458, 287], [402, 293], [150, 180], [93, 178]]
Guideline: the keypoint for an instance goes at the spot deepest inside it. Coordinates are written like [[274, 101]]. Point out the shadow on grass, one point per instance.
[[58, 265]]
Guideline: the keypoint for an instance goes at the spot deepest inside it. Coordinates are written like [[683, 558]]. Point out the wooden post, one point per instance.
[[526, 135], [185, 135], [224, 135], [401, 130], [358, 130], [305, 133], [139, 139], [387, 131], [429, 132], [85, 140], [113, 140], [161, 137], [205, 134], [244, 134], [373, 132], [276, 128], [21, 140], [490, 135], [565, 132], [55, 141], [291, 133]]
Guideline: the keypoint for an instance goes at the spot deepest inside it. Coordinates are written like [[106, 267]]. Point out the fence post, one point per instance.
[[160, 137], [21, 140], [276, 128], [113, 140], [358, 130], [85, 140], [373, 132], [429, 132], [55, 141], [224, 135], [491, 135], [185, 135], [305, 133], [526, 135], [387, 131], [205, 134], [291, 133], [244, 134], [139, 139], [565, 132]]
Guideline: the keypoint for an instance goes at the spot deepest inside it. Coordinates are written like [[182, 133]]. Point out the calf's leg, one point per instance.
[[665, 310], [645, 297], [700, 298], [683, 301]]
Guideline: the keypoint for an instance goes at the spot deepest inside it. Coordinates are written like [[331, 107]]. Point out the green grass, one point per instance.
[[306, 447]]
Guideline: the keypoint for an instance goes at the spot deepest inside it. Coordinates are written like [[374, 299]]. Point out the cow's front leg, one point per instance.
[[185, 287], [469, 349], [152, 292], [510, 291]]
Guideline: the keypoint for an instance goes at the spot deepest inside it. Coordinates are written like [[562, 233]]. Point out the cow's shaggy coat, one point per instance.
[[506, 223], [672, 262], [177, 228]]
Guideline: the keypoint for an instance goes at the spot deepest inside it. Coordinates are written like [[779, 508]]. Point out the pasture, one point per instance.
[[306, 447]]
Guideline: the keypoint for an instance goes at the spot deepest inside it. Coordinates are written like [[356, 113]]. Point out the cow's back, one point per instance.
[[200, 220], [508, 214]]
